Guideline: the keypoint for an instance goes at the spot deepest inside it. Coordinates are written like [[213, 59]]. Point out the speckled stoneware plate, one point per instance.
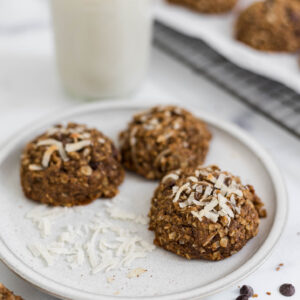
[[168, 276]]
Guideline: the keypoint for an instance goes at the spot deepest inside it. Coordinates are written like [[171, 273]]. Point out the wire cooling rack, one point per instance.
[[273, 100]]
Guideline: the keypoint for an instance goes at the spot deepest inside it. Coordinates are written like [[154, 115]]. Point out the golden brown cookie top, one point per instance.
[[271, 25]]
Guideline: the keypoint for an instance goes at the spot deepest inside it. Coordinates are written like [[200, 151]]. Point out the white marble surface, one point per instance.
[[30, 89]]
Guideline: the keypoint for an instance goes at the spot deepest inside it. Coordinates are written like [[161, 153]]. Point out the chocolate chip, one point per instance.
[[94, 165], [170, 183], [287, 290], [246, 290], [293, 15], [242, 297], [228, 181]]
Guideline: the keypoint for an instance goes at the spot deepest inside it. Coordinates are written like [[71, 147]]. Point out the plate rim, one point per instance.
[[261, 255]]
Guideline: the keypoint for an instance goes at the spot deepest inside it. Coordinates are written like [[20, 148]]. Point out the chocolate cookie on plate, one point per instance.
[[163, 139], [70, 165], [204, 213]]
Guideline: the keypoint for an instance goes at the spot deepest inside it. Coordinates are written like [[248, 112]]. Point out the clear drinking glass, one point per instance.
[[102, 46]]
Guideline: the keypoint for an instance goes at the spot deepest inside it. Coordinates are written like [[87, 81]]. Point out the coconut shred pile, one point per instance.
[[102, 244]]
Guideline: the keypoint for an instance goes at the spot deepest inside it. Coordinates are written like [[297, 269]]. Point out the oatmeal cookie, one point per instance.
[[272, 25], [163, 139], [70, 165], [207, 6], [204, 213], [6, 294]]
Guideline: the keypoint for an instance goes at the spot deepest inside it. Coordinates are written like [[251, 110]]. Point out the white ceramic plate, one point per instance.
[[217, 31], [168, 276]]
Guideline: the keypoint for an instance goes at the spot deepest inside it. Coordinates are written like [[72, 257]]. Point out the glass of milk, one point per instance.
[[102, 46]]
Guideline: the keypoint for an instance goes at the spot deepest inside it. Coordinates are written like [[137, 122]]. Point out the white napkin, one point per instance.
[[218, 32]]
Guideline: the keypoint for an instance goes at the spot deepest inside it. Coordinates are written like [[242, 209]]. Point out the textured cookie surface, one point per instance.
[[207, 6], [6, 294], [70, 165], [273, 25], [204, 213], [163, 139]]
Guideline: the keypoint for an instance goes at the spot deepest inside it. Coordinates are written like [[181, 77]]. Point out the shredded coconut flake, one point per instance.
[[43, 218], [108, 246], [180, 190], [41, 250], [33, 167], [73, 147], [217, 199], [220, 181], [91, 251], [193, 179], [132, 136], [117, 213], [170, 176], [58, 144], [161, 155], [207, 192], [47, 155], [211, 205]]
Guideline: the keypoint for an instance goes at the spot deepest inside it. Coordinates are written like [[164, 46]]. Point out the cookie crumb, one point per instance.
[[255, 296], [110, 279], [279, 266], [268, 293], [136, 273]]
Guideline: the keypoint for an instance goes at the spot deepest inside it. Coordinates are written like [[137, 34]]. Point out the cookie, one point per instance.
[[6, 294], [204, 213], [70, 165], [163, 139], [272, 25], [207, 6]]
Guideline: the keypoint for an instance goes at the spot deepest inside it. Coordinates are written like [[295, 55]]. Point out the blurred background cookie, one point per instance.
[[272, 25], [163, 139], [70, 165], [207, 6]]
